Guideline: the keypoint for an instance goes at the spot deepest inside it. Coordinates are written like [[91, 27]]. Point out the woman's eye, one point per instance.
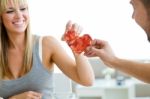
[[9, 11], [23, 9]]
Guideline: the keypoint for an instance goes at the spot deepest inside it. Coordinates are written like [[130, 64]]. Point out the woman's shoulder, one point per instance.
[[49, 41], [48, 38]]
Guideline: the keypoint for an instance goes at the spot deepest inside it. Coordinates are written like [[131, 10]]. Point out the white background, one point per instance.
[[104, 19]]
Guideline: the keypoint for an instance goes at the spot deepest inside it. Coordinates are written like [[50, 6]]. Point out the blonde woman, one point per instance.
[[23, 74]]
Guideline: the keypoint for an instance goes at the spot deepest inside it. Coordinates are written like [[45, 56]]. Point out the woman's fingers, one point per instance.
[[68, 26], [74, 27], [35, 95]]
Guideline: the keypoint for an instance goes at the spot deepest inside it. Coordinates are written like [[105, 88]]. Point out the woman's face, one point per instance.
[[16, 17]]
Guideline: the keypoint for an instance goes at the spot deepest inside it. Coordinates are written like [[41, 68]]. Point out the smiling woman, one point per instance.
[[24, 73], [15, 19]]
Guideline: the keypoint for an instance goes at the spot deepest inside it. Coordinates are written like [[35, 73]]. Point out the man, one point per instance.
[[103, 50]]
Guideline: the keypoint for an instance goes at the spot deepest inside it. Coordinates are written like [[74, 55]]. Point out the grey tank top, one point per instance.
[[38, 79]]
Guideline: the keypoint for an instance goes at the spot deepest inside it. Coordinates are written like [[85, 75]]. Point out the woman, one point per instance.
[[24, 74]]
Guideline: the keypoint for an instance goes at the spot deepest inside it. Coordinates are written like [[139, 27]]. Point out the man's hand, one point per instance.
[[101, 49]]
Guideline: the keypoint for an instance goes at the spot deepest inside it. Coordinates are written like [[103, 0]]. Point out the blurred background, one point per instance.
[[110, 20]]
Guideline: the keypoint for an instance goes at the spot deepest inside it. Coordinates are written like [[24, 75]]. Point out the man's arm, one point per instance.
[[133, 68], [103, 50]]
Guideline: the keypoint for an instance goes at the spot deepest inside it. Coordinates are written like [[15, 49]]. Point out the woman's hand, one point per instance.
[[73, 38], [28, 95], [74, 31]]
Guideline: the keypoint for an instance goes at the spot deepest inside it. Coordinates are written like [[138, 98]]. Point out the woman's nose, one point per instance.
[[18, 14]]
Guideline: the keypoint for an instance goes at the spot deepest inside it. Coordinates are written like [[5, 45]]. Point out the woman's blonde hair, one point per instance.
[[4, 44]]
